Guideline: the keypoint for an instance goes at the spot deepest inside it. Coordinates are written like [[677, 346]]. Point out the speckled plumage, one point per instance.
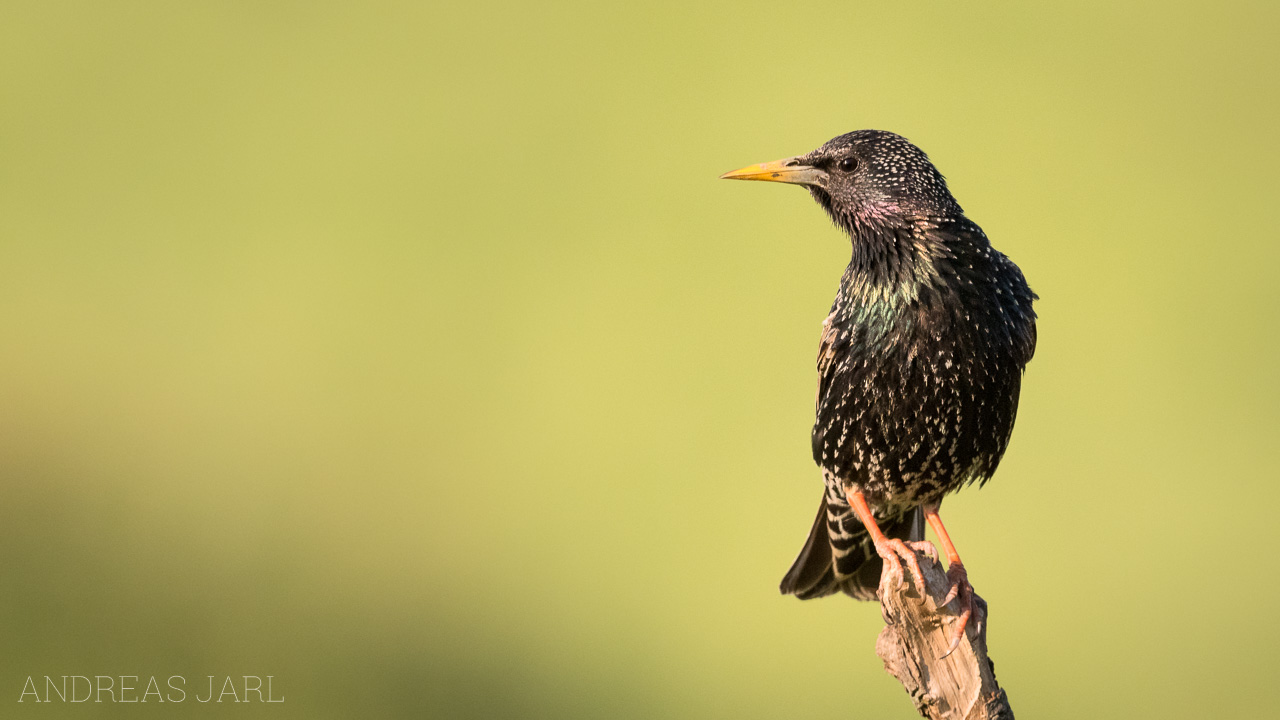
[[921, 357]]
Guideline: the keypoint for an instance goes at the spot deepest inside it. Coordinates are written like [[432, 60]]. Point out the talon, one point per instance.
[[962, 590], [951, 595], [890, 551], [959, 632], [926, 547], [955, 644], [891, 561], [959, 578]]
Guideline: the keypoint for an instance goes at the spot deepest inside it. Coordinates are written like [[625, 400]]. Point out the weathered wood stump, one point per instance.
[[961, 686]]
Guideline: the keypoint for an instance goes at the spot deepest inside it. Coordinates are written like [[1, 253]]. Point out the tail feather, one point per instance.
[[848, 561], [812, 568]]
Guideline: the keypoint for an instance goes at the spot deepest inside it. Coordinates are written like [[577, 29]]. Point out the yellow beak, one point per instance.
[[787, 170]]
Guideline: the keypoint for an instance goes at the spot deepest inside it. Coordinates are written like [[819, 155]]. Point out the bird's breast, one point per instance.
[[912, 399]]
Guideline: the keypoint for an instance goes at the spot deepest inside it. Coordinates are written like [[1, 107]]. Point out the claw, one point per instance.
[[890, 558], [959, 633], [891, 549], [955, 644], [962, 590], [924, 546], [952, 594]]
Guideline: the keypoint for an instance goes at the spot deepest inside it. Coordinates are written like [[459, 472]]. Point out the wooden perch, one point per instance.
[[961, 686]]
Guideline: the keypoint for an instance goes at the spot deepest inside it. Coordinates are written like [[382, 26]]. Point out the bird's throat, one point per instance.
[[891, 264]]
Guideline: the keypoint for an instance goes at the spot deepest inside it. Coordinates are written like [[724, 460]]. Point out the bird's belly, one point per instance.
[[912, 433]]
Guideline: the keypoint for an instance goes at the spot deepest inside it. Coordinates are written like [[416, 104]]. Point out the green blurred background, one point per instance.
[[413, 354]]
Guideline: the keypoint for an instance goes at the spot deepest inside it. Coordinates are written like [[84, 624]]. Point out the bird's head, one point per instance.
[[864, 178]]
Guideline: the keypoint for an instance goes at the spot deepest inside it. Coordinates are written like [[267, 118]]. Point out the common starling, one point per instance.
[[919, 366]]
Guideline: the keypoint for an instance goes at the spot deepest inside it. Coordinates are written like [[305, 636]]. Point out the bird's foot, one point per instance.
[[962, 592], [923, 546], [891, 548]]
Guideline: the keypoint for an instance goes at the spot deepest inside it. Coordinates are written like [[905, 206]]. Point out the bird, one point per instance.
[[920, 365]]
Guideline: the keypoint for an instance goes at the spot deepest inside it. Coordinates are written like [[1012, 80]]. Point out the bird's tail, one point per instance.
[[839, 555]]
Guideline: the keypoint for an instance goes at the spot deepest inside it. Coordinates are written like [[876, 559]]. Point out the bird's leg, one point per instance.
[[887, 548], [960, 587]]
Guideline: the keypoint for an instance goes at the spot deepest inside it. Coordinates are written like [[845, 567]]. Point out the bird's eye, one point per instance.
[[847, 164]]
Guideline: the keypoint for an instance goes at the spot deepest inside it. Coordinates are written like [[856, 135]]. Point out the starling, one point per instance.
[[919, 366]]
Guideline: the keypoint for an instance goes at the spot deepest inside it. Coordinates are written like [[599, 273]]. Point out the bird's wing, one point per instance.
[[826, 353], [1031, 343]]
